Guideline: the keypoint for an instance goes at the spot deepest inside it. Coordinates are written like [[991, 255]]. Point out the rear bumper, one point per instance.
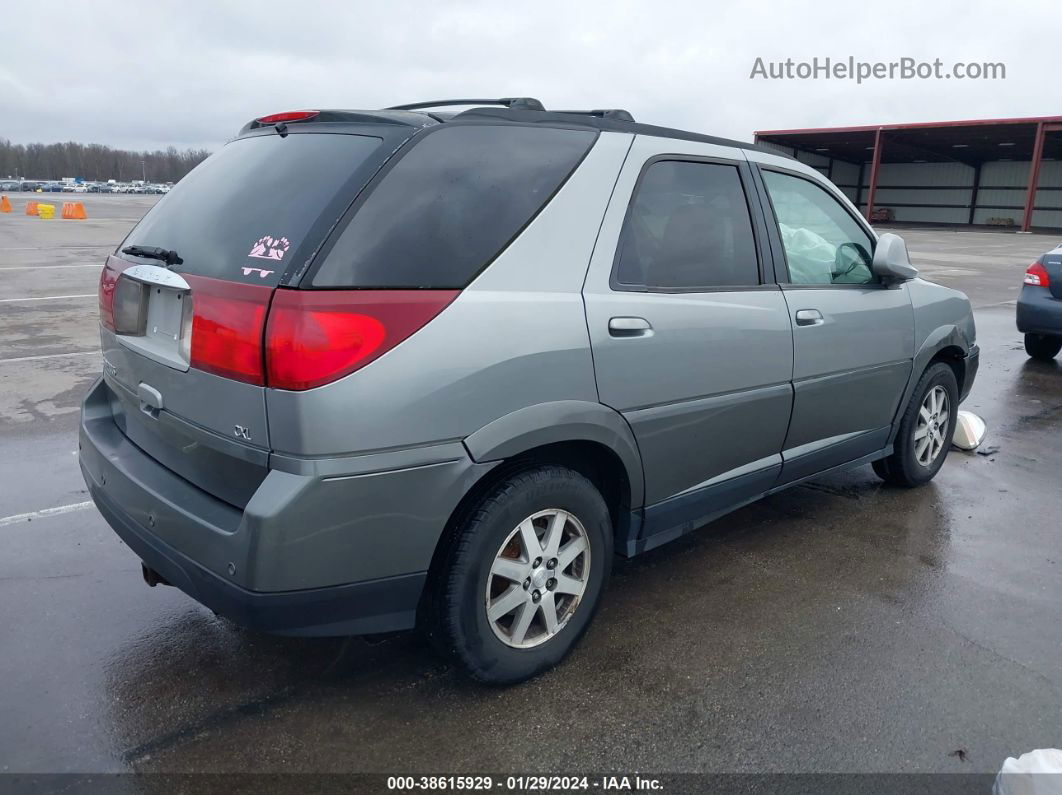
[[356, 609], [338, 549], [1038, 311]]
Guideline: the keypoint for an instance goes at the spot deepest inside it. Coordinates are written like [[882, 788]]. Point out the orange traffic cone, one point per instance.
[[5, 205], [31, 208], [74, 211]]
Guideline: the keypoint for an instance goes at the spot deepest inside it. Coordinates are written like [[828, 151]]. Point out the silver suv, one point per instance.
[[371, 370]]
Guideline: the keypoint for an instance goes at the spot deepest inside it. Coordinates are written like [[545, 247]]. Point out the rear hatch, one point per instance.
[[183, 303]]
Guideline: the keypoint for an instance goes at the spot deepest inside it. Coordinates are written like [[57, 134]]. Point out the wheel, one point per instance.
[[1042, 346], [925, 430], [524, 575]]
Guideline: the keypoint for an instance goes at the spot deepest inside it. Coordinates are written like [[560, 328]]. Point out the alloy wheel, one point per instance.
[[931, 429], [538, 578]]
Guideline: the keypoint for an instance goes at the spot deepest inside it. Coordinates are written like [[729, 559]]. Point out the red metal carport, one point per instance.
[[971, 142]]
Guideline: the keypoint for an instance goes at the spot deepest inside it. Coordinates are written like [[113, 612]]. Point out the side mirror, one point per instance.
[[891, 261]]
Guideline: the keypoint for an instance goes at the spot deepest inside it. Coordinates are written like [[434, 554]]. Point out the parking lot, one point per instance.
[[840, 626]]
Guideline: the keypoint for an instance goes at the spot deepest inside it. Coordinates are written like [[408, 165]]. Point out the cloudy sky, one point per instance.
[[190, 73]]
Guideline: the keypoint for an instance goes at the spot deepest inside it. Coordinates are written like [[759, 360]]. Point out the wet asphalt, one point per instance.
[[841, 626]]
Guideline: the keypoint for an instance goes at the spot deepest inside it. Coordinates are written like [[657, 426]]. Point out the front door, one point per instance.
[[853, 337]]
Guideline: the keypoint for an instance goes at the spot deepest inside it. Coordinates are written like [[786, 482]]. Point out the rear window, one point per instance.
[[246, 211], [450, 205]]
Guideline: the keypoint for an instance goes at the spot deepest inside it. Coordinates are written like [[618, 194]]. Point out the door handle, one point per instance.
[[809, 317], [629, 327]]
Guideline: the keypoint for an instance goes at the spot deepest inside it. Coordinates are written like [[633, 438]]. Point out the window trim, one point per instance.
[[875, 282], [756, 220], [309, 273]]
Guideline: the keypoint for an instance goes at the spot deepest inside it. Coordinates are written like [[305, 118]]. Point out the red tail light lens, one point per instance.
[[1036, 275], [228, 321], [112, 269], [291, 115], [314, 337]]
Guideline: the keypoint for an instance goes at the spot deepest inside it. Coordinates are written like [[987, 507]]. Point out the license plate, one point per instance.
[[153, 314]]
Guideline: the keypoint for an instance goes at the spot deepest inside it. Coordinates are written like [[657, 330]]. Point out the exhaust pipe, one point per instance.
[[152, 577]]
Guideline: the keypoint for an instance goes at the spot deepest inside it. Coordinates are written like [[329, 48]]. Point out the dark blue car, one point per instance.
[[1040, 306]]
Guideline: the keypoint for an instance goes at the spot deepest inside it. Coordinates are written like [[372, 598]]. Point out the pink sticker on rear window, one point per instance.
[[270, 248]]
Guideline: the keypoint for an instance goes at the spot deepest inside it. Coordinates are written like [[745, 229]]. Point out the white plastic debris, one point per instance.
[[969, 431], [1038, 772]]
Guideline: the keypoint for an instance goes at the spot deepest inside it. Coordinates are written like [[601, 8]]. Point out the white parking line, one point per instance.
[[47, 298], [48, 356], [28, 517], [49, 267]]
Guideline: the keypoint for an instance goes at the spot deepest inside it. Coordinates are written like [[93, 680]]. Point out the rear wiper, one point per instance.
[[169, 256]]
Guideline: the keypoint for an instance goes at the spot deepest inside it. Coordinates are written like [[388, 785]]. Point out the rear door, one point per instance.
[[182, 331], [853, 337], [691, 339]]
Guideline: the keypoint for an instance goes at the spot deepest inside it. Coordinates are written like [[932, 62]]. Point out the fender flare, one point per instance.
[[561, 421], [946, 336]]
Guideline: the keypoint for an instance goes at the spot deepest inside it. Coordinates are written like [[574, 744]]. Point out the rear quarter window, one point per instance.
[[450, 205]]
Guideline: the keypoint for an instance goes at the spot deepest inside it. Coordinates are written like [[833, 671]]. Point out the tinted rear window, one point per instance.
[[450, 205], [248, 209]]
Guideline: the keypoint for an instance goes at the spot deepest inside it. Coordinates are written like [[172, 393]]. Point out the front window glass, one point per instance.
[[823, 243]]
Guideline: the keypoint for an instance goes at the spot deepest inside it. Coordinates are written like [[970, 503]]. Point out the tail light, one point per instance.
[[228, 320], [1036, 276], [291, 115], [289, 339], [315, 337], [112, 269]]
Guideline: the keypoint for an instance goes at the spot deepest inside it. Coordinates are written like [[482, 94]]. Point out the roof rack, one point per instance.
[[516, 103], [617, 114]]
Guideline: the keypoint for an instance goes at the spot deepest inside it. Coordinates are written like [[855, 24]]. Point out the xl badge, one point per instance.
[[242, 433]]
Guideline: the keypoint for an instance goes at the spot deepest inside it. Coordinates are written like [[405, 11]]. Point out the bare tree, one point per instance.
[[95, 162]]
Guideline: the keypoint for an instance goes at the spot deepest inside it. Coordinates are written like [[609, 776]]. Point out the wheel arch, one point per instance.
[[946, 344], [590, 438], [573, 428]]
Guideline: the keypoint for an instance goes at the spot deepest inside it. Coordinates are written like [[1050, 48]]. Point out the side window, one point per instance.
[[687, 227], [450, 205], [823, 243]]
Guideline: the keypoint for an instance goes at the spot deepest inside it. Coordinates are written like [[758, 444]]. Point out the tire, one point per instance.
[[1042, 347], [492, 538], [912, 463]]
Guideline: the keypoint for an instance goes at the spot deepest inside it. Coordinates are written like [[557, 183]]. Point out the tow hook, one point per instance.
[[152, 577]]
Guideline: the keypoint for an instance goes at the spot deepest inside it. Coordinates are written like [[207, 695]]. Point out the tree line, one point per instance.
[[95, 162]]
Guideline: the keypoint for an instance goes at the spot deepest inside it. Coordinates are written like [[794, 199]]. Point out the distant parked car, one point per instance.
[[51, 187], [1040, 306], [29, 187], [9, 185]]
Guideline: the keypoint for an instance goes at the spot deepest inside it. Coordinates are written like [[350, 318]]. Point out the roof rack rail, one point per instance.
[[516, 103], [616, 114]]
